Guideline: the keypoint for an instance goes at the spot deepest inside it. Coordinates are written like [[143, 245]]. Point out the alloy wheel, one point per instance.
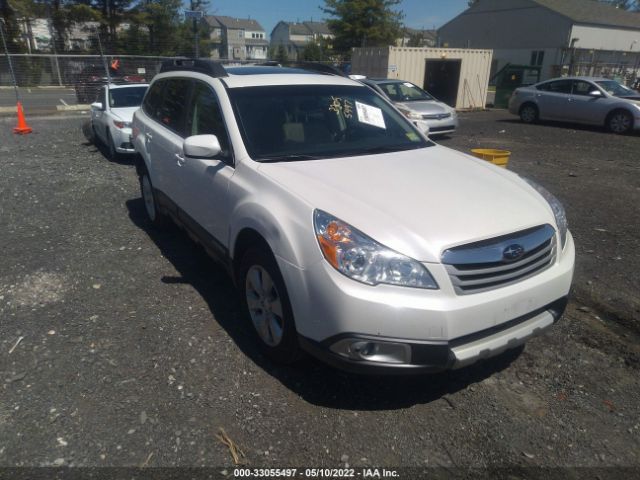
[[265, 305], [528, 114], [620, 123]]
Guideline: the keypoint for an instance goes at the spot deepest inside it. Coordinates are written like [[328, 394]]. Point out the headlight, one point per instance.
[[556, 207], [361, 258], [121, 125], [411, 115]]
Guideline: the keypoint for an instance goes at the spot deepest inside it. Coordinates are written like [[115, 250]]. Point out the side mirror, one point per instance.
[[201, 146], [595, 93], [97, 106]]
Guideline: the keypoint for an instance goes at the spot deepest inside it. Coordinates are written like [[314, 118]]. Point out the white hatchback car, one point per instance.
[[112, 113], [348, 232]]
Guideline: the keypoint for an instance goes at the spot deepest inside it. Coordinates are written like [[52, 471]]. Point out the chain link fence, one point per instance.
[[43, 70]]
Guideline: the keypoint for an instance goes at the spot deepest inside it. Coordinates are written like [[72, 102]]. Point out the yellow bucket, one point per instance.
[[497, 157]]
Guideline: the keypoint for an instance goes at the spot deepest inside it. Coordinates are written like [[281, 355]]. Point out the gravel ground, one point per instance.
[[120, 346]]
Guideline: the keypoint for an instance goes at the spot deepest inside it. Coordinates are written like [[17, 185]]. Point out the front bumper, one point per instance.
[[438, 127], [329, 307], [433, 357]]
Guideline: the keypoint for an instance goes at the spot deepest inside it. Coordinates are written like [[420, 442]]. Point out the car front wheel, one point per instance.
[[113, 153], [267, 303], [620, 122]]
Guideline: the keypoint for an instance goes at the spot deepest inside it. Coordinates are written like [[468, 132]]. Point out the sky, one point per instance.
[[418, 13]]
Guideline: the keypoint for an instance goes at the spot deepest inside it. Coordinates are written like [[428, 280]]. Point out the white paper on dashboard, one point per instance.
[[370, 115]]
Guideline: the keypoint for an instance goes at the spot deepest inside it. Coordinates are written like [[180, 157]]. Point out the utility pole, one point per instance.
[[56, 65], [196, 33]]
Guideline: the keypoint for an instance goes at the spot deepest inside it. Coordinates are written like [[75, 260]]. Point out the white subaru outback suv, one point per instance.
[[349, 234]]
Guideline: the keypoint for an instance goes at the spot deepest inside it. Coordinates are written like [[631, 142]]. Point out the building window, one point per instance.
[[537, 58]]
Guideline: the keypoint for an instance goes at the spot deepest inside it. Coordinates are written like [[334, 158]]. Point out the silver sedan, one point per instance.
[[589, 100], [429, 114]]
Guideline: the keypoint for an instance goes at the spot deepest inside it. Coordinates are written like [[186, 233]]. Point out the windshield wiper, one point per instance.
[[288, 158], [389, 149]]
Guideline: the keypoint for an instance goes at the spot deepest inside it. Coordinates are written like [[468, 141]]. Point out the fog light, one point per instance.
[[372, 351]]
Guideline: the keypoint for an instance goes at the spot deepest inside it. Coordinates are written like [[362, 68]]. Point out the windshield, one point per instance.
[[304, 122], [615, 89], [404, 92], [126, 97]]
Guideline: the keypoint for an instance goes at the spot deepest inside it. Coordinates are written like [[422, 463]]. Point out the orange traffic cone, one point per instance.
[[22, 127]]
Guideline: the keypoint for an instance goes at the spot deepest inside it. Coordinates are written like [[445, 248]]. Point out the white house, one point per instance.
[[237, 38], [294, 36]]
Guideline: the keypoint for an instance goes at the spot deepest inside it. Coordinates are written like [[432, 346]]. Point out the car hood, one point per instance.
[[125, 113], [426, 107], [633, 98], [417, 202]]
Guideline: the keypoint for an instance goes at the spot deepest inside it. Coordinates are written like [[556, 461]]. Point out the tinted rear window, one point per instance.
[[153, 99], [174, 100]]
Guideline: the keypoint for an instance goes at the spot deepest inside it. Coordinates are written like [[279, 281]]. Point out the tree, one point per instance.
[[281, 54], [363, 23], [416, 40], [314, 52], [624, 4]]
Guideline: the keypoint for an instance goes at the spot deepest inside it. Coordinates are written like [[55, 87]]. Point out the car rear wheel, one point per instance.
[[157, 219], [620, 122], [529, 113], [267, 302]]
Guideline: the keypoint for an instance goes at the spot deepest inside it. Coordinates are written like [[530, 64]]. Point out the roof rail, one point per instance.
[[317, 67], [208, 67]]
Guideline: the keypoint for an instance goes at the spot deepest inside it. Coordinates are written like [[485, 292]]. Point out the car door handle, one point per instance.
[[180, 159]]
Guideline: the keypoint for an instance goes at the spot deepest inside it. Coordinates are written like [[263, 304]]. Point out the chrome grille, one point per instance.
[[483, 266], [436, 116]]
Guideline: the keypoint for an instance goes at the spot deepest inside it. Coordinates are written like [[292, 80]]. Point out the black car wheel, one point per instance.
[[529, 113], [267, 302], [620, 122]]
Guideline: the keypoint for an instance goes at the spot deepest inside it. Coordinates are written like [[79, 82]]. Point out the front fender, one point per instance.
[[289, 237]]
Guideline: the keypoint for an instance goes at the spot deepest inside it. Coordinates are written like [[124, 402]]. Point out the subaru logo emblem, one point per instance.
[[513, 252]]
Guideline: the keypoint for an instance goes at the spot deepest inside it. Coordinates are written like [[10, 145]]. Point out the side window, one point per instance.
[[174, 99], [152, 99], [560, 86], [205, 118], [582, 88]]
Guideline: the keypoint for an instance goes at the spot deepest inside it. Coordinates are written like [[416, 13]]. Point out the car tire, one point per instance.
[[529, 113], [156, 218], [113, 154], [267, 303], [620, 122]]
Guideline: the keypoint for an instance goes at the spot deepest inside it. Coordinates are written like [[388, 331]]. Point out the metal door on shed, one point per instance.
[[442, 78]]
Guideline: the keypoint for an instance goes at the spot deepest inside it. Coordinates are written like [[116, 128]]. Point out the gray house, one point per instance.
[[582, 37], [237, 38], [294, 36]]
